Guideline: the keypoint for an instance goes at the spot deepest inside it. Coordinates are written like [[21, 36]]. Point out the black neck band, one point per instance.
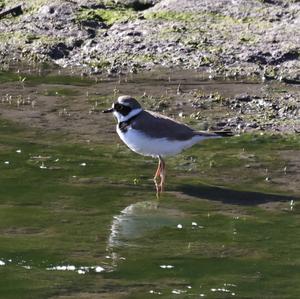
[[123, 125]]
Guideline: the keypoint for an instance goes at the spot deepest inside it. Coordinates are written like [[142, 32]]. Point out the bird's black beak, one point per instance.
[[108, 110]]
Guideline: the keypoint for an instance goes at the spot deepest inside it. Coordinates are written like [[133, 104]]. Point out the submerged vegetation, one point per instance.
[[79, 218], [82, 217], [35, 79], [78, 212]]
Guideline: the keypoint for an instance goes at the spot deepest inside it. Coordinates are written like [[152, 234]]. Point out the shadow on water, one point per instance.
[[227, 196]]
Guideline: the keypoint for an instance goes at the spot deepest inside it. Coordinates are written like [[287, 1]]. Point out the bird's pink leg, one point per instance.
[[162, 174], [157, 174]]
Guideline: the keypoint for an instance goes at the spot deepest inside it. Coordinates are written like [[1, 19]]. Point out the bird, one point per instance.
[[152, 134]]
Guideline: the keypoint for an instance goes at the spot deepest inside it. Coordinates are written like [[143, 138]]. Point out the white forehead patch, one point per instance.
[[122, 100], [123, 103]]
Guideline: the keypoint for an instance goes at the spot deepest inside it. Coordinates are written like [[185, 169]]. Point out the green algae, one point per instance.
[[173, 16], [221, 230], [108, 16], [61, 214], [249, 162], [6, 76]]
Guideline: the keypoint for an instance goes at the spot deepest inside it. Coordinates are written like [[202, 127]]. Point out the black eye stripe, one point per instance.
[[124, 110], [119, 107]]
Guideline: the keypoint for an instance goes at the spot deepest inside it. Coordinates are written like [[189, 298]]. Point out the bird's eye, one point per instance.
[[119, 107]]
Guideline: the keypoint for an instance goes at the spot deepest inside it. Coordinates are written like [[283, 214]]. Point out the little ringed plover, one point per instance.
[[152, 134]]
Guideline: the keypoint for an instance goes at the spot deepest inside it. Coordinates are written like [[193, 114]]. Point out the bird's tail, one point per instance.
[[214, 134]]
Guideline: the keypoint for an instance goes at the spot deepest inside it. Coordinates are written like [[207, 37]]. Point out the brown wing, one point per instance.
[[159, 126]]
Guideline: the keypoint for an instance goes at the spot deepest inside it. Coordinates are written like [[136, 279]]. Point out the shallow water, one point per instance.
[[79, 217]]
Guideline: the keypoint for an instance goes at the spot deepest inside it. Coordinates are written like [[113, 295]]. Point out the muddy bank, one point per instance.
[[55, 102], [227, 38]]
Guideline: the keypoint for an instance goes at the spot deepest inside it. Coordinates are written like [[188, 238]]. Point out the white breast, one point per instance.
[[147, 146]]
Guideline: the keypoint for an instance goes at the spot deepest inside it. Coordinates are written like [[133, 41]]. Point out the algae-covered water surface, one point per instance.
[[79, 217]]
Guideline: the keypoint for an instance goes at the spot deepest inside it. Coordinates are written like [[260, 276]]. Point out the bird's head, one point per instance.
[[124, 108]]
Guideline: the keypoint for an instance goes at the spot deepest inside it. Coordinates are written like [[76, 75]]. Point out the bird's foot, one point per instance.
[[160, 172], [159, 187]]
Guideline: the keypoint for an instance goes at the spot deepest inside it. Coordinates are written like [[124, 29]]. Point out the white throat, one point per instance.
[[132, 113]]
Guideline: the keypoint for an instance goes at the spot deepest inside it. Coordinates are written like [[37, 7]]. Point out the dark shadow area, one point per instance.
[[140, 6], [14, 11], [227, 196]]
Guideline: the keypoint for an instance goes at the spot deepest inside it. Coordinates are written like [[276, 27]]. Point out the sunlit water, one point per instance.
[[80, 219]]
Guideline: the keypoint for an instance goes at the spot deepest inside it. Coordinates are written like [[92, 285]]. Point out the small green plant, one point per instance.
[[100, 63], [22, 79], [171, 16], [108, 16]]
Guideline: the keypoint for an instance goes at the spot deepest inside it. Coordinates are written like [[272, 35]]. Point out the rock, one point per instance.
[[58, 51], [253, 125], [58, 12], [291, 80], [259, 57], [244, 97], [93, 24], [139, 5], [280, 56], [46, 11], [90, 4], [249, 38]]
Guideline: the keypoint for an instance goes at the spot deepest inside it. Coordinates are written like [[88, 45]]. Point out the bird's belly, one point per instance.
[[148, 146]]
